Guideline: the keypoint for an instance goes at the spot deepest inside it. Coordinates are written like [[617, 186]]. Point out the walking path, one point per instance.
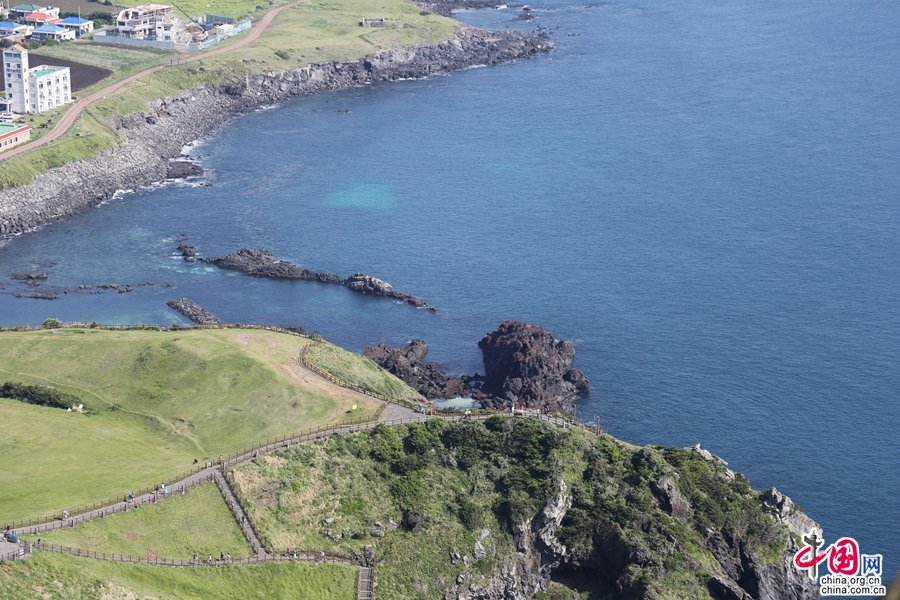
[[68, 119], [240, 516], [390, 414]]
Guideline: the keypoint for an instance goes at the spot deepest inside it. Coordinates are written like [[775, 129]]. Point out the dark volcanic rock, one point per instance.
[[525, 365], [182, 170], [188, 252], [193, 311], [29, 275], [42, 296], [408, 364], [260, 263]]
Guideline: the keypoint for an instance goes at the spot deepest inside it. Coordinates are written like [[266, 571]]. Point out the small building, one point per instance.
[[372, 22], [80, 26], [37, 19], [13, 135], [10, 28], [52, 32], [23, 10], [140, 22]]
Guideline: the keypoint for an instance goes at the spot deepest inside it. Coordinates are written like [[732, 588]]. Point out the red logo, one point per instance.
[[843, 557]]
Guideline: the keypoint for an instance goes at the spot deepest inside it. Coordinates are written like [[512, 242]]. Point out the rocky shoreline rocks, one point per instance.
[[524, 365], [157, 135], [260, 263], [193, 311]]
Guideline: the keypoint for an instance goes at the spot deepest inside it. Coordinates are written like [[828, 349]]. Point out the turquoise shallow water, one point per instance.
[[702, 196]]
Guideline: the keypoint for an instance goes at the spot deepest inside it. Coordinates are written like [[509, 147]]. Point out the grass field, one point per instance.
[[61, 577], [356, 369], [160, 401], [198, 523]]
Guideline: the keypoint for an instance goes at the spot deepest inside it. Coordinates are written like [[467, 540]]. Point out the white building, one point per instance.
[[34, 89], [140, 22], [52, 32]]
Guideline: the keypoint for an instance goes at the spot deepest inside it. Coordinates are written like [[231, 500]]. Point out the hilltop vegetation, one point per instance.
[[155, 402], [448, 506]]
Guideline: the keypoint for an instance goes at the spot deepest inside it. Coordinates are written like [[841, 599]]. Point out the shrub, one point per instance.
[[51, 324], [41, 395]]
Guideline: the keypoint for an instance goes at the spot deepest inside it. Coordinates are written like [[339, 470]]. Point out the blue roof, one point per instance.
[[9, 25], [49, 29], [73, 21]]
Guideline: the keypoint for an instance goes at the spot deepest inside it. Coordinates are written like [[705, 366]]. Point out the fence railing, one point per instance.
[[149, 327], [301, 554], [229, 479]]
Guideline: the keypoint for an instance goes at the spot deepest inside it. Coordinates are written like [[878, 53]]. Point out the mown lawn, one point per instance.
[[179, 526], [62, 577], [157, 402]]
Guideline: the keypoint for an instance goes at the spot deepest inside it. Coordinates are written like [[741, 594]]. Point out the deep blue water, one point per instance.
[[703, 196]]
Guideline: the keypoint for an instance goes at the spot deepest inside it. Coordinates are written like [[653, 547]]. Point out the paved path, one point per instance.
[[68, 119], [242, 518]]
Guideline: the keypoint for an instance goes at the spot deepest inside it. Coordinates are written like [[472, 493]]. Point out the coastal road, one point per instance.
[[68, 119]]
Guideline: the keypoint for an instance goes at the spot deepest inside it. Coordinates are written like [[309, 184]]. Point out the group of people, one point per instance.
[[223, 559]]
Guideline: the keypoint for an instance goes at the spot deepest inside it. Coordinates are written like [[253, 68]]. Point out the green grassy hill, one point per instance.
[[61, 577], [156, 402]]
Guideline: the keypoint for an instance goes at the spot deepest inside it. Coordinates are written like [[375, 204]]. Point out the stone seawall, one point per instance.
[[159, 134]]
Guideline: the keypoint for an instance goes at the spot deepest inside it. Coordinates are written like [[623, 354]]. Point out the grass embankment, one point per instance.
[[178, 526], [358, 370], [158, 401], [312, 32], [449, 486], [61, 577]]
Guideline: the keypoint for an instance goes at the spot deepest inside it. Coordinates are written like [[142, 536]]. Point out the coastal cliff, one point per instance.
[[499, 509], [157, 135]]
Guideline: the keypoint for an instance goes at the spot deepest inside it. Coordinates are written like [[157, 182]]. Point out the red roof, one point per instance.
[[40, 17]]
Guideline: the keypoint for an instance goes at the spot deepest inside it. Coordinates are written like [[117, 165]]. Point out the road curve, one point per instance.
[[68, 119]]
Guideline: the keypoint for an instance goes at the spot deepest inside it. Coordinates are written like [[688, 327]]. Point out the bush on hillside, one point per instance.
[[41, 395]]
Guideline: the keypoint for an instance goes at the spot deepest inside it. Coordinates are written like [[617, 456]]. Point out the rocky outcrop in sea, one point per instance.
[[260, 263], [193, 311], [158, 134], [524, 364]]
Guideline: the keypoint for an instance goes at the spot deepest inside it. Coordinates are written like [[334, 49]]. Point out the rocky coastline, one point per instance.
[[156, 136], [524, 366]]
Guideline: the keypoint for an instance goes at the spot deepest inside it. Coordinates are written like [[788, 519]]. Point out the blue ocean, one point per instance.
[[703, 196]]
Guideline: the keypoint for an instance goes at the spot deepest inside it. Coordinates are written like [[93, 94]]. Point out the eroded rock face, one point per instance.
[[524, 364], [408, 364], [745, 572], [670, 498]]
